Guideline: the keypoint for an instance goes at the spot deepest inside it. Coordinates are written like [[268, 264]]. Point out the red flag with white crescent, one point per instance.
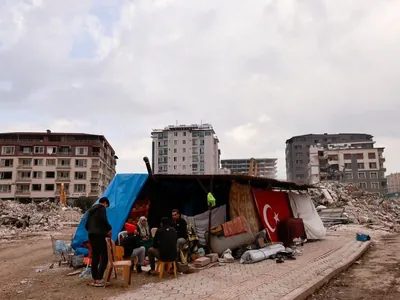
[[273, 208]]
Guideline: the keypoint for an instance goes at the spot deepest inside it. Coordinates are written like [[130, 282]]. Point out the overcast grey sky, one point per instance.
[[259, 71]]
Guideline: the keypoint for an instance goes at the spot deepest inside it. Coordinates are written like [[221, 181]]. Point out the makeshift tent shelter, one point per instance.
[[188, 193]]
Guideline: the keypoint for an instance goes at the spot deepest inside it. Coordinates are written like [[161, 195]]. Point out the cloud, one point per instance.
[[259, 73]]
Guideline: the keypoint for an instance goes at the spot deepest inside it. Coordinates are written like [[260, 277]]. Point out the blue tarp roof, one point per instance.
[[122, 193]]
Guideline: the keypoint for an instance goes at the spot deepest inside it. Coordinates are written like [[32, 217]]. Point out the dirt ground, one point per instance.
[[20, 261], [376, 276]]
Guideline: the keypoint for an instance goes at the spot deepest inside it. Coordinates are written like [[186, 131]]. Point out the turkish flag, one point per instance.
[[273, 208]]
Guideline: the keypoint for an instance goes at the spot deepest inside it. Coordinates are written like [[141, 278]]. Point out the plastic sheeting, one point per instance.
[[122, 193], [252, 256], [303, 207]]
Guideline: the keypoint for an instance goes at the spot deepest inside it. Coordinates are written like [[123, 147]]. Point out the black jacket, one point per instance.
[[181, 228], [165, 241], [97, 222], [131, 242]]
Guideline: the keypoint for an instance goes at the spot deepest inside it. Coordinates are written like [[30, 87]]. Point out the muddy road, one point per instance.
[[376, 276]]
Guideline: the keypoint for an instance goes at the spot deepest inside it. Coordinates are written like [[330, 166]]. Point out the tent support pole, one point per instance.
[[209, 217]]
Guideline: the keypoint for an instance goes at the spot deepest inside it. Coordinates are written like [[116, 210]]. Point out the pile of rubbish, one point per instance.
[[16, 217], [339, 203]]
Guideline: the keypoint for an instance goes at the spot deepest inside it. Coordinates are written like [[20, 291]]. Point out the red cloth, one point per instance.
[[273, 208], [130, 227], [235, 226]]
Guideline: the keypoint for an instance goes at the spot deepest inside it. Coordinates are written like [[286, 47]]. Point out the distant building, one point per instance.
[[358, 162], [185, 149], [297, 151], [33, 165], [266, 167], [393, 181]]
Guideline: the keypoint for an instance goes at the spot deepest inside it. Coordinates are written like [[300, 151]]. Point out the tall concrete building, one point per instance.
[[358, 162], [393, 181], [266, 167], [33, 165], [298, 155], [185, 149]]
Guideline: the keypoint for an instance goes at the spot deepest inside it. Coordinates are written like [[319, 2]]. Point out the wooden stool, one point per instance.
[[161, 266]]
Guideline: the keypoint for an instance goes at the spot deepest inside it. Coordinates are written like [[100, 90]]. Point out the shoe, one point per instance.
[[139, 269]]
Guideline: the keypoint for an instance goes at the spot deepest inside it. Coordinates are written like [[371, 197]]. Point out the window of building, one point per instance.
[[5, 175], [81, 163], [194, 166], [298, 146], [299, 153], [175, 150], [36, 187], [64, 162], [49, 187], [184, 150], [81, 151], [373, 165], [62, 175], [37, 174], [7, 163], [184, 142], [299, 176], [349, 175], [360, 155], [24, 175], [50, 174], [175, 142], [375, 185], [361, 175], [80, 188], [39, 149], [362, 185], [333, 157], [7, 150], [38, 162], [373, 175], [183, 158], [174, 167], [175, 133], [5, 188], [184, 167], [50, 162], [299, 162], [184, 133], [347, 166], [360, 166], [347, 156], [371, 155], [80, 175]]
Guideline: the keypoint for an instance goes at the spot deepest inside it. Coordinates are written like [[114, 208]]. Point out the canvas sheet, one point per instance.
[[303, 207], [252, 256]]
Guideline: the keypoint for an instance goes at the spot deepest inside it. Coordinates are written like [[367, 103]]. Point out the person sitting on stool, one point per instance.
[[180, 226]]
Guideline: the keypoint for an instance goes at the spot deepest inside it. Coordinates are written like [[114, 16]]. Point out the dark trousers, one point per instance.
[[153, 254], [99, 255]]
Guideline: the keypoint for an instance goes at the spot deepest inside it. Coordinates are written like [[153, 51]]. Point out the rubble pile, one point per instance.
[[45, 216], [360, 206]]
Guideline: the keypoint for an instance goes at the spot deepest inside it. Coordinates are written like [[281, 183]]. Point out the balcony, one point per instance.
[[63, 167], [95, 153], [65, 153], [94, 192], [95, 179], [24, 167], [63, 179], [23, 179], [95, 167], [22, 193]]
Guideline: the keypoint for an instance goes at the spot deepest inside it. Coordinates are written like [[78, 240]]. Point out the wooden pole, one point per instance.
[[209, 216]]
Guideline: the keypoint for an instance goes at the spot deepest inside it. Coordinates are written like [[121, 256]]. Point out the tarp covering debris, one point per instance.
[[122, 193]]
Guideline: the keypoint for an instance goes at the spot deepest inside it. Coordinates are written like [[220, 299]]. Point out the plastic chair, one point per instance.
[[115, 265]]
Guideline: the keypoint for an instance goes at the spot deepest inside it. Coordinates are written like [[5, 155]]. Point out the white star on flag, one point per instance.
[[276, 218]]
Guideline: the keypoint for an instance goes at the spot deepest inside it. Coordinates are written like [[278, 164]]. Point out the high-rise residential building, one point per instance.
[[265, 167], [298, 155], [393, 182], [185, 149], [33, 165], [358, 162]]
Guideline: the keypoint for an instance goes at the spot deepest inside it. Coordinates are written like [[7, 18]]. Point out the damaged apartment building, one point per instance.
[[357, 162]]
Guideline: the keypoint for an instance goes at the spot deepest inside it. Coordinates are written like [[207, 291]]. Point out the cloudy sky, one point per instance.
[[259, 71]]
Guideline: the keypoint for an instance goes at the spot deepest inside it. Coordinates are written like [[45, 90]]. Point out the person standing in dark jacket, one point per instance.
[[98, 230], [164, 245]]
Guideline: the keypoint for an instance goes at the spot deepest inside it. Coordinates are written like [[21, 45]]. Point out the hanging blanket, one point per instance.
[[234, 227]]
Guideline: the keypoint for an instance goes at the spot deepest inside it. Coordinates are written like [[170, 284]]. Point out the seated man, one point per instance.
[[133, 248], [164, 245], [180, 226]]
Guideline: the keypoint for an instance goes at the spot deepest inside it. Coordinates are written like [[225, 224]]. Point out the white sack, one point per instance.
[[303, 207], [252, 256]]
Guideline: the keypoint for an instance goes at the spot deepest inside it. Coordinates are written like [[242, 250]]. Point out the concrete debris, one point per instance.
[[346, 201], [16, 217]]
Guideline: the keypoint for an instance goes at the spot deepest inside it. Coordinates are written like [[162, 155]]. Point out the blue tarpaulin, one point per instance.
[[122, 193]]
